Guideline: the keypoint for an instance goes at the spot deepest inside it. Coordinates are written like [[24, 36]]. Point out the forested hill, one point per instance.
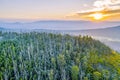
[[47, 56]]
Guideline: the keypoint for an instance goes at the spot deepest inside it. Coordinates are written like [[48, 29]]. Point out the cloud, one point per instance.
[[107, 12], [106, 7], [106, 4]]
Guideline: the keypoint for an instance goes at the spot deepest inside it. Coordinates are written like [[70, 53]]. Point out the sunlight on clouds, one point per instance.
[[101, 9], [97, 16], [106, 4]]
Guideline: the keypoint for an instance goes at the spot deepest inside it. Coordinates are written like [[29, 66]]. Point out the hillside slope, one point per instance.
[[110, 36], [111, 32], [43, 56]]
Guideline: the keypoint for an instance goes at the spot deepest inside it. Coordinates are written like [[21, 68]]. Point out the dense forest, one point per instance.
[[48, 56]]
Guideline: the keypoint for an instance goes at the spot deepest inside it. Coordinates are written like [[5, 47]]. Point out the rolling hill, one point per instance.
[[111, 32], [48, 56], [110, 36]]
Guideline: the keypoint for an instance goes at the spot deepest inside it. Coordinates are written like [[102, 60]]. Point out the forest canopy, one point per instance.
[[49, 56]]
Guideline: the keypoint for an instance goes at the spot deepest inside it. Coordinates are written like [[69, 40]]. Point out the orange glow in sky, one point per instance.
[[60, 9], [97, 16]]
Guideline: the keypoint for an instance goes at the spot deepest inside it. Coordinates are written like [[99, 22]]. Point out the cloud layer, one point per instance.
[[106, 7], [106, 4]]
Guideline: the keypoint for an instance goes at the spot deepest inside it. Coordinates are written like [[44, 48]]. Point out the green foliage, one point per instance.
[[106, 74], [85, 78], [75, 72], [97, 75], [51, 75], [61, 60], [48, 56]]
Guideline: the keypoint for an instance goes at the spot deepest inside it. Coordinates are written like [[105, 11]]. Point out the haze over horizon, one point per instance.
[[58, 24]]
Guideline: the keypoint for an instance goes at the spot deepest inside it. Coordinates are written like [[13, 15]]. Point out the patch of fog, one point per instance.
[[106, 39], [112, 43]]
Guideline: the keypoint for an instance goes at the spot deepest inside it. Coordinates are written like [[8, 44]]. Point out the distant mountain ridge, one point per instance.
[[109, 36], [112, 32], [108, 28], [59, 24]]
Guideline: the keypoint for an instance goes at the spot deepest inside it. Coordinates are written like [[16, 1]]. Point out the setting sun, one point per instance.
[[97, 16]]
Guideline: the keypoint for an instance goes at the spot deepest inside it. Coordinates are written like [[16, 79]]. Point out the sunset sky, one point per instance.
[[60, 9]]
